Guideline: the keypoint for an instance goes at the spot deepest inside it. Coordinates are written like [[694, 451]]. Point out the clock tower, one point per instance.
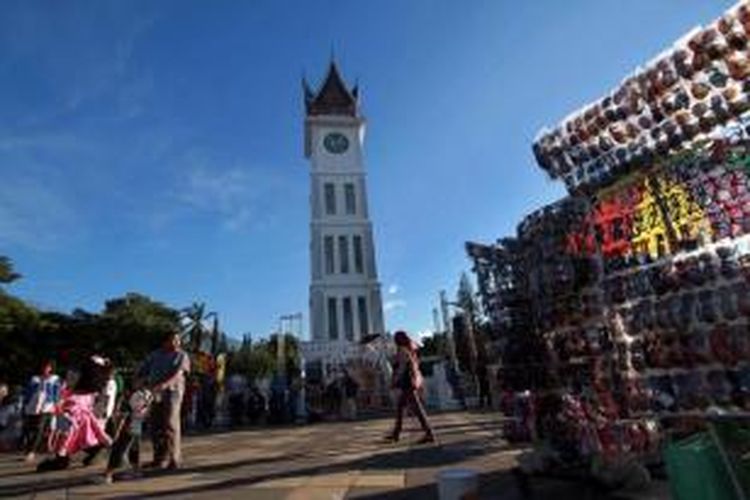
[[345, 297]]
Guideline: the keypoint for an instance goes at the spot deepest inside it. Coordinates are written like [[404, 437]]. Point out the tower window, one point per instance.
[[328, 250], [344, 254], [350, 198], [364, 327], [333, 320], [348, 318], [330, 196], [358, 260]]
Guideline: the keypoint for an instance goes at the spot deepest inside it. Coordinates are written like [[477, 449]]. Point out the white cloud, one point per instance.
[[33, 216], [420, 335], [59, 142], [392, 305], [239, 197], [112, 76], [212, 190], [393, 289]]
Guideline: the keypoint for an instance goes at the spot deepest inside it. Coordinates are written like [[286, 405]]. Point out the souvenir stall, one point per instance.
[[634, 291]]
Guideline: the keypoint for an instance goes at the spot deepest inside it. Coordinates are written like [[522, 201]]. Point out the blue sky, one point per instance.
[[157, 146]]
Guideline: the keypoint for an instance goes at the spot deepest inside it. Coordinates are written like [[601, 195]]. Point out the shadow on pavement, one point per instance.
[[502, 485], [44, 482], [428, 456]]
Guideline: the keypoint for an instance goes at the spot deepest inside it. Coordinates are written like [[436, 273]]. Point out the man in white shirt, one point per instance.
[[165, 370]]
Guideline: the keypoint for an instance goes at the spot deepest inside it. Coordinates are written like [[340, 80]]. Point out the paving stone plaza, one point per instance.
[[336, 460], [325, 461]]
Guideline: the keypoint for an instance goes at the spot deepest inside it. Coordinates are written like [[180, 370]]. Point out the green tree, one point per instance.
[[466, 298], [466, 325], [254, 361], [290, 351], [7, 274], [133, 325], [434, 345], [260, 359], [195, 329], [18, 339], [223, 343], [126, 330], [18, 325]]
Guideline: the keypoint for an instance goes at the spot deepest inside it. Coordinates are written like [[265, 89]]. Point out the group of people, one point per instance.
[[246, 401], [92, 410], [338, 395]]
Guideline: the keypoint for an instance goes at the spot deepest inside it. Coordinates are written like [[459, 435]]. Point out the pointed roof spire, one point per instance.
[[307, 90], [333, 96], [355, 90]]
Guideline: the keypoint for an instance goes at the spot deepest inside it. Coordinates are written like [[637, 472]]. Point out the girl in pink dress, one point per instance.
[[78, 427]]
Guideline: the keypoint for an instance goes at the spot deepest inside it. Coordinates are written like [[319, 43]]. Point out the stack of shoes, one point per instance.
[[700, 85]]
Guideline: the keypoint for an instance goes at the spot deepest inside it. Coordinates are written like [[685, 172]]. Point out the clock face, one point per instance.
[[336, 143]]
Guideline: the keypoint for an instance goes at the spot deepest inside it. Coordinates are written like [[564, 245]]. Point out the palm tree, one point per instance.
[[194, 330], [214, 334], [7, 275]]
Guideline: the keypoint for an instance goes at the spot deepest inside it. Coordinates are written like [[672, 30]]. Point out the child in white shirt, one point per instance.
[[128, 437]]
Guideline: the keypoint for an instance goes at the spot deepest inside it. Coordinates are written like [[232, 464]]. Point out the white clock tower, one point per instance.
[[345, 298]]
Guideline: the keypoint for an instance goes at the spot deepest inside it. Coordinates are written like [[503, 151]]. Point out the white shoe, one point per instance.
[[105, 479]]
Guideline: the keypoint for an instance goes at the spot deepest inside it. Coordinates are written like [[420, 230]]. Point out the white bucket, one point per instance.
[[458, 484]]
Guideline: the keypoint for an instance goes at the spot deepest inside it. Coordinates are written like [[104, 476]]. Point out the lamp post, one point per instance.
[[293, 320], [448, 329]]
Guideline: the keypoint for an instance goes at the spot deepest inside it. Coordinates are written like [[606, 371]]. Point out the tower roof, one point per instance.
[[333, 97]]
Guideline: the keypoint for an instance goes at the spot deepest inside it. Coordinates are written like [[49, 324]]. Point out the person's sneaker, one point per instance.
[[172, 466], [105, 479], [52, 464], [390, 438], [30, 458], [155, 465]]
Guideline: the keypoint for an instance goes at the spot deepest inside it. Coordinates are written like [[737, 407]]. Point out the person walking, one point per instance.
[[351, 389], [164, 370], [79, 428], [485, 399], [42, 396], [104, 405], [10, 414], [128, 435], [407, 380]]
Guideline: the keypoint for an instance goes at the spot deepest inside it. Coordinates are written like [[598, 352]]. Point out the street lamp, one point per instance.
[[290, 320], [448, 329]]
